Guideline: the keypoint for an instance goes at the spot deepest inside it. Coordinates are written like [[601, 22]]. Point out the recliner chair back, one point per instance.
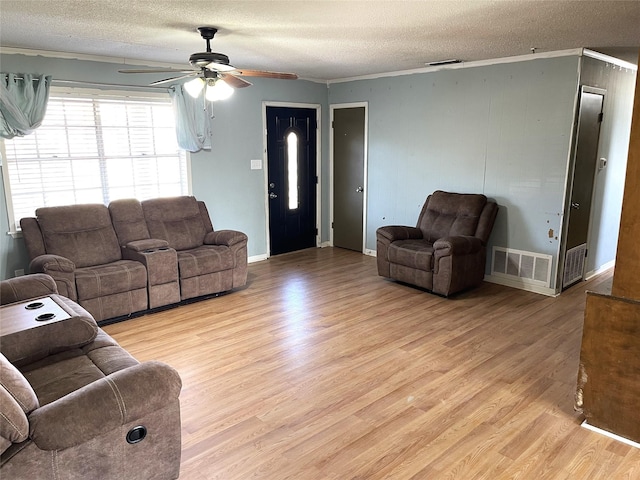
[[447, 214]]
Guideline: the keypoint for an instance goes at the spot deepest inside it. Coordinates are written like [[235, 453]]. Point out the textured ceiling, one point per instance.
[[321, 39]]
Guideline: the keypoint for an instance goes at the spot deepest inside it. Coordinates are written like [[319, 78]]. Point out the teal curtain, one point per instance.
[[23, 103], [193, 120]]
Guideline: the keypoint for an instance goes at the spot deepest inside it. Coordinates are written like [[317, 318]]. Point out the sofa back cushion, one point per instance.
[[450, 214], [82, 233], [17, 399], [176, 220], [128, 220]]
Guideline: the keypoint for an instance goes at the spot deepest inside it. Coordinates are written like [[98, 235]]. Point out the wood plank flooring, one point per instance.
[[321, 370]]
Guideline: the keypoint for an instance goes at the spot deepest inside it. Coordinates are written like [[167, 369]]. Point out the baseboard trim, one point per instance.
[[521, 285], [610, 435], [598, 271], [257, 258]]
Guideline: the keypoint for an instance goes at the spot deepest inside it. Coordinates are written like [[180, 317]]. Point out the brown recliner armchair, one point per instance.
[[446, 251], [73, 403]]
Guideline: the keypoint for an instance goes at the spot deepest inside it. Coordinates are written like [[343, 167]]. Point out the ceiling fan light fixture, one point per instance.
[[194, 87], [217, 89]]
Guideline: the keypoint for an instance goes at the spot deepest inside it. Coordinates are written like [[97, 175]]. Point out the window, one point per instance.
[[95, 149], [292, 170]]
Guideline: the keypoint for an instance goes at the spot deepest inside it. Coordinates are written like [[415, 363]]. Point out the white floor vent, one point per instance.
[[574, 265], [527, 267]]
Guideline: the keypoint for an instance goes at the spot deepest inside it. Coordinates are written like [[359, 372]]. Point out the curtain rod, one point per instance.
[[93, 84], [108, 85]]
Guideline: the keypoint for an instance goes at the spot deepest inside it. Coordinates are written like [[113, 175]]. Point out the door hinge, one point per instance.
[[331, 224], [600, 117], [316, 179], [333, 124], [316, 231]]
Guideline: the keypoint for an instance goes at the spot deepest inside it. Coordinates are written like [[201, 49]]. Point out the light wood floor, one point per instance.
[[320, 369]]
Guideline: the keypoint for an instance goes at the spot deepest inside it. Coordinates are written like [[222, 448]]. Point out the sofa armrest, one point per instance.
[[225, 237], [61, 269], [32, 344], [28, 286], [391, 233], [146, 244], [457, 245], [115, 400], [51, 263]]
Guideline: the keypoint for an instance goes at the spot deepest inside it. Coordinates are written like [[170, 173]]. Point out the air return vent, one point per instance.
[[574, 265], [528, 267]]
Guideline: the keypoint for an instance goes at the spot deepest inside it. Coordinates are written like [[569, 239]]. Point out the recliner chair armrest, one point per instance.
[[61, 269], [108, 403], [457, 245], [225, 237], [51, 263], [391, 233]]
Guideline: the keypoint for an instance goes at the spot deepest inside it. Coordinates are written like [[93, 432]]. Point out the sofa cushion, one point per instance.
[[128, 220], [412, 253], [204, 260], [450, 214], [104, 280], [82, 233], [61, 374], [176, 220]]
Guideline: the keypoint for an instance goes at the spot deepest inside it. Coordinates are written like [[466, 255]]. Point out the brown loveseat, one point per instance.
[[73, 403], [446, 251], [134, 256], [209, 261]]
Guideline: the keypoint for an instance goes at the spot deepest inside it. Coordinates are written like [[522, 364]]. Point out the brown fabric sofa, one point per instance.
[[78, 247], [74, 404], [446, 251], [209, 261], [131, 256]]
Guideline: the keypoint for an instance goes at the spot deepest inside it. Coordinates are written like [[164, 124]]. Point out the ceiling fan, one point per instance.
[[213, 71]]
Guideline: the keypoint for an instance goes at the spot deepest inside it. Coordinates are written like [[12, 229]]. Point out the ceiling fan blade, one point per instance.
[[260, 73], [156, 70], [234, 81], [173, 79]]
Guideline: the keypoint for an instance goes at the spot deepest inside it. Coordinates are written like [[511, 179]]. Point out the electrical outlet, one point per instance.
[[19, 273]]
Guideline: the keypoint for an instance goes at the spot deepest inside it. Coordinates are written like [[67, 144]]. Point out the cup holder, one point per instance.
[[162, 249], [34, 305], [45, 316]]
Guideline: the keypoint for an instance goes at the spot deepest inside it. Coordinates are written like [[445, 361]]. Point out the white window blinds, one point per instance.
[[95, 150]]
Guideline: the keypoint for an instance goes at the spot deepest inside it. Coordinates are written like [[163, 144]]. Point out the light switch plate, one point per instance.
[[256, 164]]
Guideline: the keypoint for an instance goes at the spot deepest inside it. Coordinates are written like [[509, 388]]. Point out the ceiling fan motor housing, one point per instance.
[[203, 59]]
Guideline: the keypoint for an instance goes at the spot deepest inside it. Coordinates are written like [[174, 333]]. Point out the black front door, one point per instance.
[[291, 157]]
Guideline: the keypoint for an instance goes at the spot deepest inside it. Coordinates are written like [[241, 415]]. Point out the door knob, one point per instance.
[[575, 205], [273, 195], [360, 189]]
